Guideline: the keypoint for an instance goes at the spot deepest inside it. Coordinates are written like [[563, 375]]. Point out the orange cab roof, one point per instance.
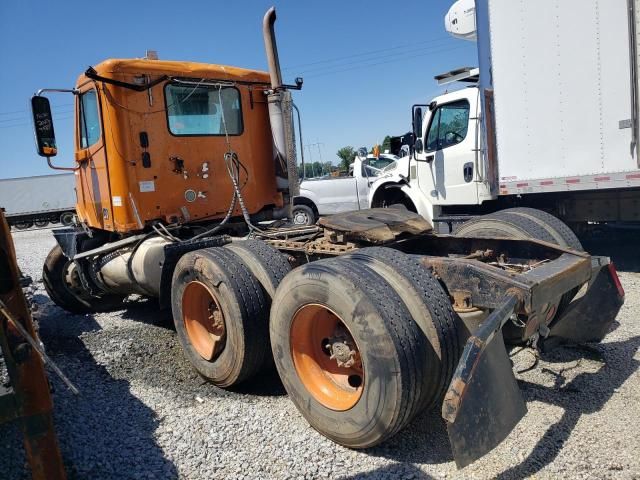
[[178, 69]]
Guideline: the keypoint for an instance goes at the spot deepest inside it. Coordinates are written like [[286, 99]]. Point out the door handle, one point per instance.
[[467, 171]]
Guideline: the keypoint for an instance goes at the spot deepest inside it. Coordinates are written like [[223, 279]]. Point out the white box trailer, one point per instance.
[[38, 200], [550, 120], [564, 76]]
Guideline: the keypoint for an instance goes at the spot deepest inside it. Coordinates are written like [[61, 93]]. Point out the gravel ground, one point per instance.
[[144, 413]]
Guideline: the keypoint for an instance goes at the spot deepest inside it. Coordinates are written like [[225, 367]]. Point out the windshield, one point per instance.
[[375, 166]]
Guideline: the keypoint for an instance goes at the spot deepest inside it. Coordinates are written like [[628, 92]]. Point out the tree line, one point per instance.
[[347, 156]]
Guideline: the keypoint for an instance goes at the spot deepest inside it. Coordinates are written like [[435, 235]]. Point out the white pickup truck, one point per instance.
[[326, 196]]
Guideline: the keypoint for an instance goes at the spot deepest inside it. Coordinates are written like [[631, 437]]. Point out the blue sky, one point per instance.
[[364, 62]]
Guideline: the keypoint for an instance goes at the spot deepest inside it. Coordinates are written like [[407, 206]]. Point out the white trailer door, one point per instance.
[[561, 73]]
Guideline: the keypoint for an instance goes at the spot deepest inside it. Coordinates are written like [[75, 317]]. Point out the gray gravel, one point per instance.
[[144, 413]]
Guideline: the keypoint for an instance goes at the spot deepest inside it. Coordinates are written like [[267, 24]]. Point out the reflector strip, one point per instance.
[[616, 279]]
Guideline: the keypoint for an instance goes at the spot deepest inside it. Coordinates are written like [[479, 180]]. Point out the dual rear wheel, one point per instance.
[[220, 300], [362, 343]]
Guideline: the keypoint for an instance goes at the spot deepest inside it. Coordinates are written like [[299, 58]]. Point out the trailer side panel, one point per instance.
[[29, 195], [561, 70]]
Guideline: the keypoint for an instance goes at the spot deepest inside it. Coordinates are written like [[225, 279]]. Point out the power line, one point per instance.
[[28, 110], [357, 67], [370, 52], [24, 124], [376, 58], [25, 117]]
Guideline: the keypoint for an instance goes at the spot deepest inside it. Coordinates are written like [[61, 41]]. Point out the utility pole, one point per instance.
[[316, 144], [310, 159]]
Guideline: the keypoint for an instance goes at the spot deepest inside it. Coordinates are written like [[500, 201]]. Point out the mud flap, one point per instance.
[[483, 403], [588, 318]]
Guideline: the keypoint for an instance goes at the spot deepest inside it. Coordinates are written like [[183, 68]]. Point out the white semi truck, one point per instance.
[[550, 119]]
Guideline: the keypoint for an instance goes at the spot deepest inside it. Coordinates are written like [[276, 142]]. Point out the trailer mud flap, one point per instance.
[[483, 403], [588, 318]]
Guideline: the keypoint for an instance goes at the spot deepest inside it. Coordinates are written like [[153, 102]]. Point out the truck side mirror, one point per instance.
[[43, 126], [417, 122], [418, 146]]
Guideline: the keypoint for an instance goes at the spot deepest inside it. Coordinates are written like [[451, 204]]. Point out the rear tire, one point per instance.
[[41, 223], [563, 235], [502, 224], [239, 302], [66, 219], [22, 225], [267, 264], [369, 318], [64, 287], [430, 308], [525, 222]]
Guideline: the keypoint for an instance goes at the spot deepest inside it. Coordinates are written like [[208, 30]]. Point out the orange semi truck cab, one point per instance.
[[168, 156], [151, 138]]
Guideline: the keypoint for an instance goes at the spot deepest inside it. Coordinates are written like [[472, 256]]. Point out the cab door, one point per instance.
[[364, 178], [92, 178], [448, 163]]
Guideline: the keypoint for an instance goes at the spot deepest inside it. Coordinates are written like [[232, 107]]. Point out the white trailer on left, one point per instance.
[[38, 201]]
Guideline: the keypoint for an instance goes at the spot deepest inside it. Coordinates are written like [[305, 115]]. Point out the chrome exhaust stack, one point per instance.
[[281, 117], [269, 34]]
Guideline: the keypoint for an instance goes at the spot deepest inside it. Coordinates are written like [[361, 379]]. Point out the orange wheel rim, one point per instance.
[[203, 320], [326, 357]]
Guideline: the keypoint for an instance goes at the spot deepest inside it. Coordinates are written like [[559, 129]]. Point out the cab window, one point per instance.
[[449, 125], [89, 119], [205, 110]]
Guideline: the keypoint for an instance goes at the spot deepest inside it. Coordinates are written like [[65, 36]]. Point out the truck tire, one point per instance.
[[524, 223], [41, 223], [561, 232], [66, 219], [500, 224], [430, 308], [269, 267], [303, 215], [339, 310], [267, 264], [220, 315], [63, 287], [23, 225]]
